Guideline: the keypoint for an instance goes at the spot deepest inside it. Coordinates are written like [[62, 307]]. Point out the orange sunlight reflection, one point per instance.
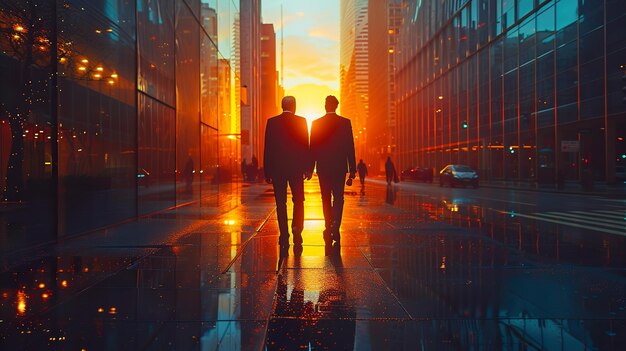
[[21, 302]]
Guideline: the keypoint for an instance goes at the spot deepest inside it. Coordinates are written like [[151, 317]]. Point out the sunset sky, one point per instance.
[[311, 50]]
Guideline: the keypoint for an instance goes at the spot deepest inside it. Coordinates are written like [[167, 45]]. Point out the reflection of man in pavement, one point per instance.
[[328, 324]]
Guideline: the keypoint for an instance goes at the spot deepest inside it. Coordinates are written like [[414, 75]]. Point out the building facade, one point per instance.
[[353, 67], [382, 44], [111, 110], [269, 80], [250, 61], [529, 90]]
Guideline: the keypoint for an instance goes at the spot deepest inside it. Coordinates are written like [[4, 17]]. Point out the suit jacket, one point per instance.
[[332, 145], [286, 151]]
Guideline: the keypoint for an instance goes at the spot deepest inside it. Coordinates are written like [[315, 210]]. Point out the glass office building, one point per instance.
[[111, 109], [524, 90]]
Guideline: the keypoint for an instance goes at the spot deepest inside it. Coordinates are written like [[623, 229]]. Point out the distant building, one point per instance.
[[269, 80], [353, 68], [250, 61], [384, 22]]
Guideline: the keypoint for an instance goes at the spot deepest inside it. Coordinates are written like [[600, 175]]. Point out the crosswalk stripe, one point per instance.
[[589, 217], [610, 231], [582, 220], [617, 212], [595, 214]]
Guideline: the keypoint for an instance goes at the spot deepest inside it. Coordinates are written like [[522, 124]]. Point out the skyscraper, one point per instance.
[[250, 60], [384, 21], [269, 79], [353, 68]]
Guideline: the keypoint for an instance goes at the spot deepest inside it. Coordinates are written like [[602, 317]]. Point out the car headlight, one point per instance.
[[475, 176]]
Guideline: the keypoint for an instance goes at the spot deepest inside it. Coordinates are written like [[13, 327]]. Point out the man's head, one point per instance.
[[289, 104], [331, 103]]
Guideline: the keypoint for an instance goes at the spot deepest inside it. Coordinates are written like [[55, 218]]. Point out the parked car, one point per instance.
[[455, 175], [422, 174]]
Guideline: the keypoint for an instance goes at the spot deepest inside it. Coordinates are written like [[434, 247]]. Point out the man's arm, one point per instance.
[[351, 156]]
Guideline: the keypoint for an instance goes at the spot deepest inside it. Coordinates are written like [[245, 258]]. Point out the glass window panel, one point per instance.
[[593, 107], [473, 25], [545, 65], [545, 95], [97, 142], [187, 102], [567, 112], [591, 15], [566, 17], [591, 46], [616, 36], [27, 189], [208, 81], [566, 56], [194, 5], [567, 79], [209, 18], [524, 7], [616, 70], [591, 71], [483, 22], [527, 41], [615, 9], [508, 13], [495, 18], [510, 50], [545, 31], [209, 169], [156, 69], [156, 176]]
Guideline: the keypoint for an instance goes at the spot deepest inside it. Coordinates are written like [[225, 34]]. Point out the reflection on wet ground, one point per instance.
[[419, 268]]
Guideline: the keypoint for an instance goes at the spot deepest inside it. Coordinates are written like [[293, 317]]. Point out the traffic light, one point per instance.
[[464, 124]]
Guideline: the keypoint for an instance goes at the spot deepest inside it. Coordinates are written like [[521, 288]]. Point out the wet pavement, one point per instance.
[[420, 267]]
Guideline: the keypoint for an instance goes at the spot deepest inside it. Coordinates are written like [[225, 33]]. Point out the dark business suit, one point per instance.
[[286, 160], [332, 149]]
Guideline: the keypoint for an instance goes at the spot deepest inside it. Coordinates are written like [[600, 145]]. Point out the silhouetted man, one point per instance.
[[332, 148], [287, 161]]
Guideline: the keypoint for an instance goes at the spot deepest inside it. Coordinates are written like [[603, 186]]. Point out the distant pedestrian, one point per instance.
[[390, 171], [254, 168], [244, 169], [361, 168]]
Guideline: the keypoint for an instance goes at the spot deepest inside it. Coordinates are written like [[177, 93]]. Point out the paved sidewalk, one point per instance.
[[198, 278]]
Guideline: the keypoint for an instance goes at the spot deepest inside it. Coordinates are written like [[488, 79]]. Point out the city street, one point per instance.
[[420, 267]]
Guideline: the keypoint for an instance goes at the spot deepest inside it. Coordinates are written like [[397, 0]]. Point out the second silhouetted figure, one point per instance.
[[332, 148]]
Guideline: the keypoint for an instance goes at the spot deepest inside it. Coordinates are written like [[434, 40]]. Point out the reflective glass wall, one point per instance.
[[140, 96], [519, 89]]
